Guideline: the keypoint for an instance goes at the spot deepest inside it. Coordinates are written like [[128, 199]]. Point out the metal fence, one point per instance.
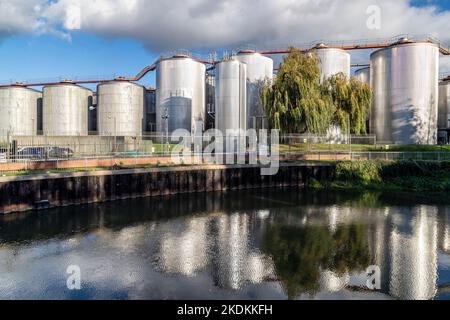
[[39, 152], [43, 148]]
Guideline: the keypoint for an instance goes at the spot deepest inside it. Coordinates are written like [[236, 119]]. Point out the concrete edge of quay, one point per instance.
[[44, 191]]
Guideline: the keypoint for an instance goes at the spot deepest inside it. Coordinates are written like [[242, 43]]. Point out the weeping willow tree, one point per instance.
[[298, 102], [352, 99]]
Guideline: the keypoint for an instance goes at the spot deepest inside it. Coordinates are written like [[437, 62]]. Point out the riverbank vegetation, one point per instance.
[[306, 147], [389, 175]]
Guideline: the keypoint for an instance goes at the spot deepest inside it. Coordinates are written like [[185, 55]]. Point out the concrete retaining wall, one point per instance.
[[23, 193]]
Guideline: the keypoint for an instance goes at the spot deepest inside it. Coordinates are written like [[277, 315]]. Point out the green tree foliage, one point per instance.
[[298, 102], [302, 253]]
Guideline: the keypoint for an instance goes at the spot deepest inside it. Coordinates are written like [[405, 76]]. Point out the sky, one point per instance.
[[61, 39]]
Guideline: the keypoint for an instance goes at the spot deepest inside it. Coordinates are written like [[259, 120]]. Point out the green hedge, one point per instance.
[[405, 175]]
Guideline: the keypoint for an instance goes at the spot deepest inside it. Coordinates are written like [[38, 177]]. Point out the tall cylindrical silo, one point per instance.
[[231, 97], [444, 105], [18, 109], [66, 110], [363, 75], [333, 61], [259, 74], [120, 109], [405, 83], [180, 95]]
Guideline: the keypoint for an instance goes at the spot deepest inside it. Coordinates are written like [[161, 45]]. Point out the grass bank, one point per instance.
[[361, 148], [390, 175]]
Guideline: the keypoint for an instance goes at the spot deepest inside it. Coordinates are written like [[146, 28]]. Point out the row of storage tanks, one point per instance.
[[404, 78], [65, 110]]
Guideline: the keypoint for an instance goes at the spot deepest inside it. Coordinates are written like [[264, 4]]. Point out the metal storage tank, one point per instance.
[[363, 75], [444, 104], [19, 111], [405, 83], [150, 111], [180, 95], [259, 73], [333, 61], [66, 110], [120, 109], [231, 97]]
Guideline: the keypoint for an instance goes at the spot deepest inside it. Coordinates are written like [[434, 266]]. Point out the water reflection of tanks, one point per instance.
[[444, 229], [414, 257], [332, 282], [231, 99], [259, 73], [19, 110], [180, 95], [65, 110], [405, 84], [236, 263], [185, 251]]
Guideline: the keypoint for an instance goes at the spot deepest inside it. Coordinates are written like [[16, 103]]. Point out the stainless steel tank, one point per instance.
[[405, 84], [65, 110], [231, 97], [444, 105], [120, 109], [363, 75], [333, 61], [18, 109], [259, 74], [180, 95]]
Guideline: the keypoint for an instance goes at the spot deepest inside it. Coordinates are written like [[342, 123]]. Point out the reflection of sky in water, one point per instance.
[[245, 245]]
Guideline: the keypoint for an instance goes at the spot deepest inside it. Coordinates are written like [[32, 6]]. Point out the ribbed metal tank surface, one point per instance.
[[333, 61], [18, 109], [444, 105], [259, 74], [180, 95], [231, 88], [363, 75], [405, 84], [120, 109], [65, 109]]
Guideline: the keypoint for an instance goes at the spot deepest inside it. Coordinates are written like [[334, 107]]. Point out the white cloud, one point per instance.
[[166, 25], [20, 16]]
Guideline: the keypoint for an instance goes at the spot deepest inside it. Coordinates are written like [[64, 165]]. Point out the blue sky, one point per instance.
[[119, 37], [442, 4], [45, 57]]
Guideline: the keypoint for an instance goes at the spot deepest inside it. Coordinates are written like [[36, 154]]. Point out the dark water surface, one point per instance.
[[236, 245]]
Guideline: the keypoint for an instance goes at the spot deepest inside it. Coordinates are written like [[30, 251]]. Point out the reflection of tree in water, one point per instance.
[[300, 254]]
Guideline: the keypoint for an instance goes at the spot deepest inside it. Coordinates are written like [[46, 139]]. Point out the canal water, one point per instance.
[[285, 244]]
